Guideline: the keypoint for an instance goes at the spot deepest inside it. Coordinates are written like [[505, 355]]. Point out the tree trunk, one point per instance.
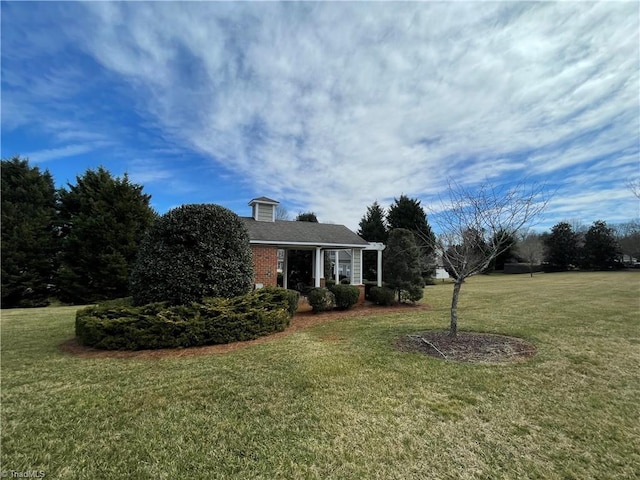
[[453, 329]]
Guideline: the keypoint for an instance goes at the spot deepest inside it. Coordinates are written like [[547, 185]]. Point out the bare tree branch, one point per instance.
[[475, 226]]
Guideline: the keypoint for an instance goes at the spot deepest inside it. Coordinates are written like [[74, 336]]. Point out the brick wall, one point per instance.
[[265, 264]]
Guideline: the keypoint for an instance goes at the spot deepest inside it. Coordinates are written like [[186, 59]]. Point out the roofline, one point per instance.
[[266, 200], [336, 246]]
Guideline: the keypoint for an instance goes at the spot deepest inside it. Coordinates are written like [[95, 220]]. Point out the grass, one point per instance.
[[338, 401]]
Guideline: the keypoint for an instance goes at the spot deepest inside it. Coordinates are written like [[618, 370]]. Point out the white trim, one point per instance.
[[329, 246]]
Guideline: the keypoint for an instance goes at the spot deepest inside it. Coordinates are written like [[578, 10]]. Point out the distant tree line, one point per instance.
[[77, 243], [565, 247]]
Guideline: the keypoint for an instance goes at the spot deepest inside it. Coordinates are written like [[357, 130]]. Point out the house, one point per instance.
[[267, 236]]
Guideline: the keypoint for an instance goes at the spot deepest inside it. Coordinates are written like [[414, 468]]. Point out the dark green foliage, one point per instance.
[[373, 226], [159, 325], [473, 251], [193, 252], [346, 295], [103, 220], [402, 266], [307, 217], [407, 213], [561, 247], [382, 296], [29, 242], [412, 294], [274, 296], [345, 281], [507, 246], [321, 299], [601, 249]]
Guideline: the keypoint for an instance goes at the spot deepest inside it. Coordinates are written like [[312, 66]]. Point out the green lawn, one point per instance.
[[338, 401]]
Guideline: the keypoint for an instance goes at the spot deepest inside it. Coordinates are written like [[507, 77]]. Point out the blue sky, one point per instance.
[[328, 107]]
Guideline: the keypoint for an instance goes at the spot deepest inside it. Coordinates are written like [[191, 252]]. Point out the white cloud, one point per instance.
[[49, 154], [331, 106]]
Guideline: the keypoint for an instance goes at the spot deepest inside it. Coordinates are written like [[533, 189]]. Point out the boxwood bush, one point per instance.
[[346, 295], [161, 325], [382, 296], [192, 252], [321, 299]]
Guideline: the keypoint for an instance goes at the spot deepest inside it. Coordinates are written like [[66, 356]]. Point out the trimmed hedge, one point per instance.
[[346, 295], [382, 296], [321, 299], [160, 325]]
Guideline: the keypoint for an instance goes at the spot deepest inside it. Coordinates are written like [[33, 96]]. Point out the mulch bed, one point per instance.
[[304, 318], [468, 347]]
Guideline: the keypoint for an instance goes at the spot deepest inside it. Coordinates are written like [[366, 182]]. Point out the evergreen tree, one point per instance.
[[601, 248], [508, 249], [103, 222], [402, 266], [373, 228], [192, 252], [561, 247], [407, 213], [28, 236], [307, 217]]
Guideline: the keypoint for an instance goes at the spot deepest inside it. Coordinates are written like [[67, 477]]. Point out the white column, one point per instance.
[[353, 270], [285, 270], [336, 266], [379, 271], [318, 265]]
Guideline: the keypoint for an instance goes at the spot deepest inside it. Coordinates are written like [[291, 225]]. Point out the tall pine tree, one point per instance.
[[373, 228], [601, 248], [561, 247], [408, 213], [103, 221], [28, 234]]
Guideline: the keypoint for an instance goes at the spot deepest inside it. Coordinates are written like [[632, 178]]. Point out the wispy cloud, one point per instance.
[[47, 155], [333, 105]]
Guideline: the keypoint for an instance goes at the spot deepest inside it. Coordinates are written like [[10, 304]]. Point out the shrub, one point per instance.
[[411, 294], [193, 252], [160, 325], [346, 295], [345, 281], [382, 296], [321, 299], [275, 295]]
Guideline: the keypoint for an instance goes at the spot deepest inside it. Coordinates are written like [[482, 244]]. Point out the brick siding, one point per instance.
[[265, 264]]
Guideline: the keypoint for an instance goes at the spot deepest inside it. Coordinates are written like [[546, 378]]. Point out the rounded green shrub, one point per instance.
[[193, 252], [412, 294], [382, 296], [346, 295], [160, 325], [321, 299]]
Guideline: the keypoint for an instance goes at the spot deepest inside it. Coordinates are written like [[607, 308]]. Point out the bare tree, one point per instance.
[[634, 186], [476, 225], [282, 213], [531, 248]]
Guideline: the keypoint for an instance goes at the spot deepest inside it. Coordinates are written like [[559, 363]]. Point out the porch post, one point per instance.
[[353, 270], [336, 266], [379, 271], [318, 266], [285, 269]]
